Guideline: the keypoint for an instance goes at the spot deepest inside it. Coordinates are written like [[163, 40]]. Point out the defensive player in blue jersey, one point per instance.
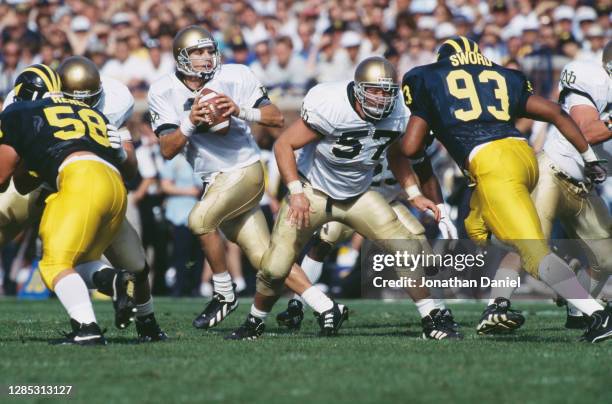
[[470, 104]]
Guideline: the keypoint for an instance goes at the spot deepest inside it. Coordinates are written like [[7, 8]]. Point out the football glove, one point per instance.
[[446, 226], [115, 143], [596, 171]]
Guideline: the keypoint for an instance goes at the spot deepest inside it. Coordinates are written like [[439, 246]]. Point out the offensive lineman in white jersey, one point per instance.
[[563, 192], [80, 80], [332, 233], [346, 128], [229, 164]]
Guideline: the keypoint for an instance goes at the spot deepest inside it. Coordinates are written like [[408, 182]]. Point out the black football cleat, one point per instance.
[[293, 316], [331, 320], [123, 298], [148, 330], [573, 322], [498, 318], [251, 329], [449, 320], [215, 311], [438, 326], [82, 334], [600, 327]]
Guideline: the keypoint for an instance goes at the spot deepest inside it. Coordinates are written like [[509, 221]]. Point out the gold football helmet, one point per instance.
[[372, 74], [81, 80], [188, 39]]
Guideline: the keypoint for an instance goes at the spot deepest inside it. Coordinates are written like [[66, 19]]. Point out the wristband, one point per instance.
[[250, 114], [589, 155], [187, 127], [413, 191], [295, 187]]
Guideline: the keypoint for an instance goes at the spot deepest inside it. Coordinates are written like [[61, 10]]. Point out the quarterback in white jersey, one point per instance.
[[170, 102], [346, 128], [229, 164]]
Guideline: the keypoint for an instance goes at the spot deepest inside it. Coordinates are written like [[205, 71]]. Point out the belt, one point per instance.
[[583, 187]]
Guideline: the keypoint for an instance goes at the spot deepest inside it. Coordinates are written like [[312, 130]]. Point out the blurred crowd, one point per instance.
[[290, 45]]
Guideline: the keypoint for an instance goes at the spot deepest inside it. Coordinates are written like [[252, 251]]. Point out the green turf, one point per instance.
[[377, 358]]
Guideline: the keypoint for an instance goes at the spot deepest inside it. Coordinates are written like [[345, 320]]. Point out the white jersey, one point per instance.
[[209, 153], [341, 164], [581, 83], [116, 104]]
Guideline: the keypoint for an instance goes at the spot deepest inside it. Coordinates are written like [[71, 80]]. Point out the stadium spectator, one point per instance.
[[10, 67], [182, 189]]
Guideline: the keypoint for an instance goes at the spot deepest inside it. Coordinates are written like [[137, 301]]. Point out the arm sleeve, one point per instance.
[[9, 129], [254, 92], [415, 95], [526, 91], [163, 116], [312, 115]]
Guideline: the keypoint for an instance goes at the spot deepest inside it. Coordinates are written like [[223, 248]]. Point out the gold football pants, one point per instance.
[[231, 203], [288, 241], [335, 232], [17, 211], [82, 218], [505, 172], [583, 214]]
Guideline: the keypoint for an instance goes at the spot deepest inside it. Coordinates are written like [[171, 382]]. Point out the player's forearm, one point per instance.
[[430, 186], [172, 144], [271, 116], [596, 132], [544, 110], [129, 168], [285, 159]]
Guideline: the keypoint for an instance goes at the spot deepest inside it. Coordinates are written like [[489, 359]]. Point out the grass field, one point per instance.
[[377, 358]]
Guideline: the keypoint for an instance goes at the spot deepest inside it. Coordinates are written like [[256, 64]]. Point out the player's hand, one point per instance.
[[445, 225], [423, 204], [596, 171], [299, 210], [115, 143], [225, 103], [199, 112]]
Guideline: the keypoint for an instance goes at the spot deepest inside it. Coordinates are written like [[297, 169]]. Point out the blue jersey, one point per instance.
[[45, 132], [467, 100]]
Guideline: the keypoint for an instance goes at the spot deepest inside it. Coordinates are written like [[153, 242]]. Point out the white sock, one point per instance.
[[255, 312], [240, 284], [558, 275], [312, 269], [317, 300], [592, 285], [145, 308], [503, 274], [425, 306], [439, 303], [222, 283], [74, 296]]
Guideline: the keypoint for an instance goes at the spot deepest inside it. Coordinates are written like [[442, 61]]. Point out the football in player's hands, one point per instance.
[[217, 123]]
